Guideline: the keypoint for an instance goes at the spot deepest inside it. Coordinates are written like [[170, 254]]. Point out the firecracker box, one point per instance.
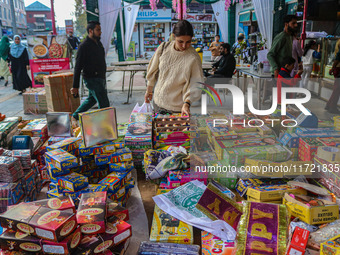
[[330, 141], [55, 139], [117, 231], [124, 155], [113, 209], [68, 144], [73, 182], [42, 222], [213, 245], [91, 213], [298, 242], [119, 143], [243, 185], [308, 148], [166, 228], [60, 203], [312, 215], [12, 240], [301, 130], [236, 157], [331, 247], [273, 192], [58, 93], [54, 172], [65, 247], [61, 159], [35, 128], [121, 167], [290, 140], [35, 101], [259, 201], [103, 159], [53, 193], [89, 151]]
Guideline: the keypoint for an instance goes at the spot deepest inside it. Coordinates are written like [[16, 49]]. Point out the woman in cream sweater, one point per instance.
[[177, 69]]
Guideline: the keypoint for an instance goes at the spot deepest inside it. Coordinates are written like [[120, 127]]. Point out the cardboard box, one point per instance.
[[308, 148], [58, 94], [60, 203], [312, 215], [91, 213], [331, 247], [113, 209], [18, 241], [213, 245], [121, 167], [65, 247], [73, 182], [61, 159], [273, 192], [298, 242], [42, 222], [68, 144], [35, 101]]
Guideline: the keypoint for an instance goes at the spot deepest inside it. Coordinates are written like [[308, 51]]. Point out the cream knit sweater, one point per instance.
[[177, 75]]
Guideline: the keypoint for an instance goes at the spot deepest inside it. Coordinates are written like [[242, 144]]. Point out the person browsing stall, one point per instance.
[[282, 46], [215, 48], [225, 67], [90, 61], [177, 69]]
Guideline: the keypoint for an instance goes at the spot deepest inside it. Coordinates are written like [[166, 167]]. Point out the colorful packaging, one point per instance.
[[298, 242], [113, 209], [103, 159], [118, 232], [330, 141], [90, 151], [18, 241], [65, 247], [124, 155], [53, 193], [262, 228], [68, 144], [290, 140], [61, 159], [55, 139], [121, 167], [308, 148], [112, 181], [91, 213], [60, 203], [218, 206], [73, 182], [45, 223], [331, 247], [273, 192], [312, 215], [212, 245]]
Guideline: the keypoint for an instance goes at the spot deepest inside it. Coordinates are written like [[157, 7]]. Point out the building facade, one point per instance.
[[6, 17], [39, 18]]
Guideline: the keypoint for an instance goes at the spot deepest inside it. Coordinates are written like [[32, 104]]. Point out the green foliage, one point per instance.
[[80, 15]]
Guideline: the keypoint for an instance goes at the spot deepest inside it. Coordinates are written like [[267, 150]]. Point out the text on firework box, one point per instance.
[[103, 159], [328, 212], [213, 245], [73, 181], [331, 247], [65, 247], [68, 144], [273, 192], [60, 203], [299, 242], [61, 159], [122, 166], [45, 223], [91, 213], [12, 240], [218, 206]]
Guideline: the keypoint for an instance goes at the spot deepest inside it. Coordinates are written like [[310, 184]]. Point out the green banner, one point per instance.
[[92, 6]]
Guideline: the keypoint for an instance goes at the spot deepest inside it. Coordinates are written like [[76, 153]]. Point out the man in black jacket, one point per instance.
[[225, 67], [91, 61]]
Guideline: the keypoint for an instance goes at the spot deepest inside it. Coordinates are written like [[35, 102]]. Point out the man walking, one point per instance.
[[282, 46], [74, 42], [91, 61]]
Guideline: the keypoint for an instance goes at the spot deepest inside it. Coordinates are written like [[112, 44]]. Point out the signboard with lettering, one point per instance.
[[156, 16]]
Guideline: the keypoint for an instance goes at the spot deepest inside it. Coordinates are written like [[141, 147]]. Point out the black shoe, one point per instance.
[[6, 83], [20, 93], [1, 78], [334, 111]]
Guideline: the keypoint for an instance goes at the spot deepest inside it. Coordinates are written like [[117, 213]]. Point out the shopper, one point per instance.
[[309, 55], [225, 67], [332, 104], [215, 49], [74, 42], [91, 61], [283, 44], [4, 51], [176, 68], [20, 64], [240, 46], [296, 54]]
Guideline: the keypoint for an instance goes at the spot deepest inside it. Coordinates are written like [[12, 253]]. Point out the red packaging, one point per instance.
[[19, 241], [118, 232], [113, 209], [91, 213], [60, 203], [299, 242], [39, 221], [65, 247], [308, 147]]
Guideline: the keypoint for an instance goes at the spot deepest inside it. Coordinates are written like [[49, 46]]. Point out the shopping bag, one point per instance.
[[144, 108]]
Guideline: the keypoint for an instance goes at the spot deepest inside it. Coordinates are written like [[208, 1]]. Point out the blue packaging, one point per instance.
[[121, 167], [73, 182]]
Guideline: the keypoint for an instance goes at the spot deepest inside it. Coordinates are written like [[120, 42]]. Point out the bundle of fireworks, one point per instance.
[[331, 246], [308, 148], [10, 194], [147, 248], [7, 130], [36, 128], [24, 156], [243, 184], [10, 169]]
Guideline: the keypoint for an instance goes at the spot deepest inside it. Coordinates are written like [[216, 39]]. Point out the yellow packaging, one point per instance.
[[273, 192], [166, 228], [331, 247], [312, 215], [259, 201]]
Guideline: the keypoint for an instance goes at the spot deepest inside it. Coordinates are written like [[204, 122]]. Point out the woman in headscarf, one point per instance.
[[4, 51], [20, 65]]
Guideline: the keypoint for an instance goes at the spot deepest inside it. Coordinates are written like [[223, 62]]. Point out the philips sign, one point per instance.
[[158, 15]]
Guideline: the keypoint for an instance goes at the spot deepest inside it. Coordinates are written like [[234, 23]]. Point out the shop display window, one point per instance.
[[154, 35]]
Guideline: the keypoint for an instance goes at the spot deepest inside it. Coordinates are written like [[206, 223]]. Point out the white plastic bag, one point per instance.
[[144, 108]]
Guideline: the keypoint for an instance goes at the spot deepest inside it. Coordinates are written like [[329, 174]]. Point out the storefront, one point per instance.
[[151, 29], [246, 21]]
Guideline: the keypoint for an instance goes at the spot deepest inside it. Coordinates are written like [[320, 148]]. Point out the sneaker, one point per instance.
[[6, 83]]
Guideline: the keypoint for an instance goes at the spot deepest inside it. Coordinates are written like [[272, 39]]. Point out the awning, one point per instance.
[[244, 17], [253, 18]]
